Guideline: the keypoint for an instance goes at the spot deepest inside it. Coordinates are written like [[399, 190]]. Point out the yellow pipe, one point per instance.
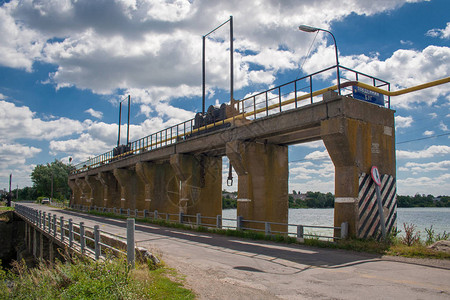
[[404, 91]]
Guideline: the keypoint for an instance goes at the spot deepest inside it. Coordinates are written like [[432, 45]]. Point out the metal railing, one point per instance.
[[85, 240], [294, 230], [291, 95]]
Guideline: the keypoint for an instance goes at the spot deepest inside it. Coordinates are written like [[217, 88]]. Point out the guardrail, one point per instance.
[[89, 241], [297, 230], [273, 101]]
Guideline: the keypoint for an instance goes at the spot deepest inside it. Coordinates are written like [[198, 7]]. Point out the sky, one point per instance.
[[66, 64]]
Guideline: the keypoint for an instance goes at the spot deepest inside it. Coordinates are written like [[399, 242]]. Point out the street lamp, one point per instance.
[[307, 28], [230, 20]]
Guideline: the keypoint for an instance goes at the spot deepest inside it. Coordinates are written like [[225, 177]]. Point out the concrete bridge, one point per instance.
[[180, 168]]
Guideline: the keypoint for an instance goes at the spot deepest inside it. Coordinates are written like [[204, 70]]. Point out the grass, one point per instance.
[[5, 208], [409, 246], [86, 279]]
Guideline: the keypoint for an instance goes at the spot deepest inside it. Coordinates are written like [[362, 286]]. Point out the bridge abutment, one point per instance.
[[262, 182], [110, 189]]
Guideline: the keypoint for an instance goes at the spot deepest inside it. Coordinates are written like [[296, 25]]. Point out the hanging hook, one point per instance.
[[230, 176]]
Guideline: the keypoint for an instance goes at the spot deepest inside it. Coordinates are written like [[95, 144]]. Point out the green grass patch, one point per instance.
[[6, 208], [87, 279]]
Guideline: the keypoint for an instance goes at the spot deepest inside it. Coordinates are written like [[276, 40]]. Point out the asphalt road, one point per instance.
[[220, 267]]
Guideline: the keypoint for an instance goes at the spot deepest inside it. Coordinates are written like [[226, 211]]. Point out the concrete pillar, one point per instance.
[[76, 192], [262, 182], [131, 188], [96, 189], [146, 173], [111, 189], [354, 147], [85, 191], [201, 184]]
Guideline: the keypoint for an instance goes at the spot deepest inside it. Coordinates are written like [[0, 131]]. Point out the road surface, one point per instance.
[[220, 267]]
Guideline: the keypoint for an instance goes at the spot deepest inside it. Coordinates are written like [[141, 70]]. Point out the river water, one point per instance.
[[421, 217]]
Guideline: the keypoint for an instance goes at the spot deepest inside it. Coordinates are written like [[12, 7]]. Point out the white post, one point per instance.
[[130, 242]]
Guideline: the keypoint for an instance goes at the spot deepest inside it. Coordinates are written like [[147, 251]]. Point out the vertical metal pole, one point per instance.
[[239, 223], [43, 220], [231, 63], [198, 219], [61, 226], [54, 226], [70, 233], [49, 222], [203, 76], [267, 228], [82, 240], [219, 221], [130, 242], [299, 231], [97, 241], [128, 124], [120, 120]]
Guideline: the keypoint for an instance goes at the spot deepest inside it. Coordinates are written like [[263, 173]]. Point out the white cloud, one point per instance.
[[412, 67], [426, 167], [442, 126], [19, 122], [13, 154], [428, 132], [403, 122], [430, 152], [94, 113], [437, 185], [155, 46], [433, 115], [440, 33], [318, 155]]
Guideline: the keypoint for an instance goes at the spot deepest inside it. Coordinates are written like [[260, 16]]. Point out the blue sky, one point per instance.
[[66, 64]]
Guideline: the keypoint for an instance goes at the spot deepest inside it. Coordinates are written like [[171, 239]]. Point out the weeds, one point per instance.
[[432, 237], [411, 236], [86, 279]]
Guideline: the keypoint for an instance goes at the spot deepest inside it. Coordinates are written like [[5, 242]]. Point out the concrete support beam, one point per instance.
[[201, 184], [76, 192], [131, 189], [354, 147], [111, 189], [146, 173], [85, 191], [96, 189], [262, 182]]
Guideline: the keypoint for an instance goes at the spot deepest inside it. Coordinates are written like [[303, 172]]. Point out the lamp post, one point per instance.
[[230, 20], [307, 28]]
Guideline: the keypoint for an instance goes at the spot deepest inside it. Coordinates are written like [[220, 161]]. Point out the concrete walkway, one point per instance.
[[220, 267]]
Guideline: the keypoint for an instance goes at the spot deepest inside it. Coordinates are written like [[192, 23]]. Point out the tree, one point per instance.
[[42, 179]]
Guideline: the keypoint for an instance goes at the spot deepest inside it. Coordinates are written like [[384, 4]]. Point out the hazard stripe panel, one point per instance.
[[369, 219]]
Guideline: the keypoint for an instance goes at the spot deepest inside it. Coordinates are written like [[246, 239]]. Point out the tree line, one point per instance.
[[42, 177]]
